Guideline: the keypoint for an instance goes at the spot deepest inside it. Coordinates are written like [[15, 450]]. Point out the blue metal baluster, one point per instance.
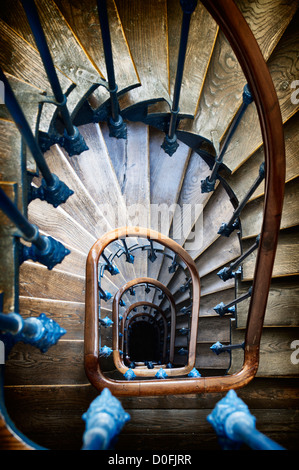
[[45, 250], [227, 229], [170, 144], [73, 142], [234, 425], [219, 348], [41, 332], [104, 421], [52, 190], [222, 309], [116, 124], [208, 184], [227, 272]]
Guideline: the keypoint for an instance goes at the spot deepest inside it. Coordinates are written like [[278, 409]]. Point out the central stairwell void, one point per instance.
[[148, 179]]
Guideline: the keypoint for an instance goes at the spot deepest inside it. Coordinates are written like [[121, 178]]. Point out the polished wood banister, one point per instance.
[[91, 340], [247, 51]]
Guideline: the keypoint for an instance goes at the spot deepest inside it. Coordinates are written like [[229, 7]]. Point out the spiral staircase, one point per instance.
[[153, 207]]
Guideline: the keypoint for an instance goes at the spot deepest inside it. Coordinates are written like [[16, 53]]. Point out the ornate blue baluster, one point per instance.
[[104, 294], [113, 270], [116, 124], [227, 229], [41, 332], [170, 144], [234, 425], [106, 322], [194, 373], [173, 266], [73, 142], [129, 375], [152, 256], [222, 309], [45, 250], [52, 190], [228, 272], [105, 351], [104, 421], [161, 374], [208, 184], [129, 257], [218, 348]]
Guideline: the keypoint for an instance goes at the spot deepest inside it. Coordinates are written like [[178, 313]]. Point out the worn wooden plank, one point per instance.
[[286, 260], [277, 352], [208, 302], [241, 181], [212, 283], [83, 19], [221, 252], [222, 91], [283, 66], [202, 36], [282, 306], [147, 40], [37, 281], [252, 215], [63, 363], [9, 254]]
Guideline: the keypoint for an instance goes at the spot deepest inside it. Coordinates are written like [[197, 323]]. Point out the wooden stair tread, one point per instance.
[[221, 252], [282, 306], [11, 159], [241, 181], [202, 35], [42, 368], [208, 302], [218, 209], [9, 254], [248, 135], [286, 260], [225, 80], [275, 352], [252, 214], [68, 55], [210, 330], [82, 17], [32, 70], [37, 281], [148, 44]]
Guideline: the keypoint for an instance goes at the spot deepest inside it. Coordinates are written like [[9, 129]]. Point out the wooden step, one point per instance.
[[241, 181], [224, 250], [282, 306], [12, 160], [83, 19], [37, 281], [277, 352], [252, 215], [208, 302], [68, 55], [224, 82], [218, 209], [9, 254], [248, 135], [211, 328], [286, 260], [147, 40], [29, 98], [32, 70], [202, 35]]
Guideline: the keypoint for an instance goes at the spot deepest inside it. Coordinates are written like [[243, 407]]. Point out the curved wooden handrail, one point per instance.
[[115, 335], [150, 305], [247, 51], [91, 341]]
